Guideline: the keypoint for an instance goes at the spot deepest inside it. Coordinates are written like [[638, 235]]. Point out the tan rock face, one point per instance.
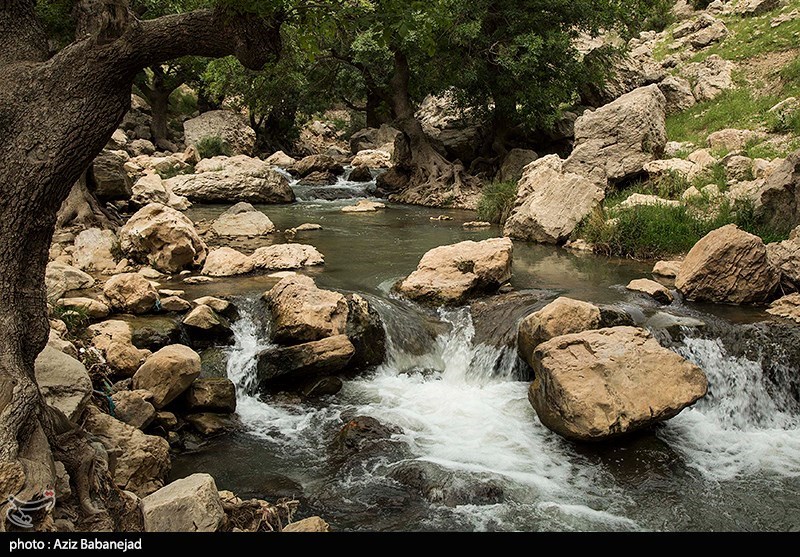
[[653, 289], [61, 278], [668, 269], [213, 394], [94, 250], [228, 126], [310, 524], [115, 340], [162, 237], [788, 307], [785, 256], [364, 206], [616, 140], [143, 460], [599, 384], [190, 504], [130, 293], [94, 309], [560, 317], [168, 373], [450, 275], [281, 160], [728, 265], [63, 381], [243, 220], [226, 262], [301, 312], [711, 77], [305, 361], [372, 158], [134, 408], [778, 200], [732, 139], [286, 256], [550, 202]]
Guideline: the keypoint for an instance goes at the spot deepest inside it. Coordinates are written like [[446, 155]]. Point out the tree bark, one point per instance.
[[421, 175], [56, 115]]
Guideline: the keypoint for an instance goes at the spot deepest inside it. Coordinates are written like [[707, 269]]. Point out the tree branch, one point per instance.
[[23, 37]]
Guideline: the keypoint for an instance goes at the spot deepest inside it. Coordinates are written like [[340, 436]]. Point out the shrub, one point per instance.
[[181, 102], [496, 202], [213, 146], [76, 319]]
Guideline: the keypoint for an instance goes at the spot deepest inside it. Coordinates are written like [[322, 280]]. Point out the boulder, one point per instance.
[[153, 332], [301, 312], [318, 163], [668, 269], [93, 309], [560, 317], [514, 164], [233, 179], [290, 365], [142, 460], [778, 199], [243, 220], [114, 339], [226, 262], [286, 256], [175, 304], [713, 32], [204, 326], [752, 8], [223, 307], [371, 158], [61, 278], [787, 307], [711, 77], [360, 174], [107, 177], [210, 423], [550, 202], [190, 504], [450, 275], [318, 179], [63, 381], [600, 384], [373, 138], [164, 238], [364, 206], [281, 160], [615, 141], [785, 256], [677, 93], [643, 200], [732, 139], [168, 373], [310, 524], [659, 293], [228, 126], [664, 167], [134, 408], [365, 330], [215, 394], [457, 130], [149, 189], [130, 293], [728, 265], [94, 250]]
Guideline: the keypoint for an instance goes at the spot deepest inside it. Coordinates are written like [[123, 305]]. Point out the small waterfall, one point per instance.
[[343, 189], [745, 425]]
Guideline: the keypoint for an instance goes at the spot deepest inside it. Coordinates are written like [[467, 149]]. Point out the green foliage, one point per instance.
[[496, 202], [173, 171], [182, 103], [213, 146], [700, 4], [660, 16], [75, 318]]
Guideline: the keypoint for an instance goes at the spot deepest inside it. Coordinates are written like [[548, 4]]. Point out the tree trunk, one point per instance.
[[83, 209], [56, 115], [159, 109], [421, 175]]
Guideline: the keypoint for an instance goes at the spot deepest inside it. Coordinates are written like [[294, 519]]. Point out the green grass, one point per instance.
[[173, 171], [76, 319], [655, 231], [213, 146], [496, 202]]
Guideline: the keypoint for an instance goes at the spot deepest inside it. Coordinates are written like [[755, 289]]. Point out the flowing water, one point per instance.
[[469, 452]]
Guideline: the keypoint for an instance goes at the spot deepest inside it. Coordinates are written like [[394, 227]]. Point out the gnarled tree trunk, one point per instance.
[[421, 175], [56, 114]]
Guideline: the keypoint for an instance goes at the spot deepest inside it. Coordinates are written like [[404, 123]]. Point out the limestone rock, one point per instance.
[[600, 384], [243, 220], [677, 93], [640, 200], [450, 275], [550, 203], [310, 524], [785, 256], [778, 199], [281, 160], [732, 139], [286, 256], [225, 125], [226, 262], [711, 77], [215, 394], [293, 364], [668, 269], [364, 206], [107, 177], [94, 250], [190, 504], [164, 238], [301, 312], [788, 307], [61, 278], [130, 293], [134, 408], [653, 289], [318, 163], [204, 326], [114, 339], [94, 309], [514, 164], [168, 373], [728, 265], [372, 158], [63, 381], [560, 317]]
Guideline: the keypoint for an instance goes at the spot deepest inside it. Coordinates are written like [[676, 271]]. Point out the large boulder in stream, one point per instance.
[[282, 257], [301, 312], [162, 237], [168, 373], [550, 202], [233, 179], [728, 265], [293, 365], [206, 327], [243, 220], [130, 293], [600, 384], [451, 275], [190, 504]]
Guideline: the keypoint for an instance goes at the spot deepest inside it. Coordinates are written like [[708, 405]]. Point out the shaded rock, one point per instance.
[[207, 327], [322, 386], [286, 256], [450, 275], [211, 395], [243, 220], [550, 202], [222, 307], [214, 363], [318, 163], [149, 189], [595, 385], [615, 141], [94, 309], [514, 163], [318, 179], [209, 423], [134, 408], [168, 373], [678, 94], [61, 278], [107, 177], [228, 126], [114, 339], [731, 139], [560, 317], [442, 486], [94, 250], [187, 505], [778, 200], [288, 365], [142, 460], [751, 8], [373, 138], [153, 332], [360, 174], [365, 330], [302, 312], [175, 304], [226, 262], [131, 293], [785, 256], [653, 289], [728, 265], [63, 381], [361, 431], [162, 237], [711, 77]]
